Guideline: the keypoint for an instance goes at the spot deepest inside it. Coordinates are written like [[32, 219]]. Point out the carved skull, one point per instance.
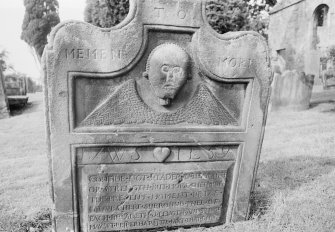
[[167, 71]]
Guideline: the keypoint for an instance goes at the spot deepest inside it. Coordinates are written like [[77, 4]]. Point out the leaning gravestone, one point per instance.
[[155, 123], [292, 90]]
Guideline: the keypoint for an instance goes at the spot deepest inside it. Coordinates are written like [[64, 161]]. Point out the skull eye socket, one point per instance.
[[165, 68], [176, 70]]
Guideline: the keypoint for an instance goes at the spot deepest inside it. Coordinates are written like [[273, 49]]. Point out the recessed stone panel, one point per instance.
[[144, 196], [91, 91]]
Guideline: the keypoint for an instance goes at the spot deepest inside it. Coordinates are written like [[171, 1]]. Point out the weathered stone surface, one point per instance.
[[4, 112], [155, 123], [291, 90]]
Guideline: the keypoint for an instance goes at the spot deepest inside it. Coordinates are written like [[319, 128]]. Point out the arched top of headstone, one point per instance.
[[118, 49]]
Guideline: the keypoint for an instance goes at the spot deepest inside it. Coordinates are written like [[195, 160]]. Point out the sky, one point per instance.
[[11, 17]]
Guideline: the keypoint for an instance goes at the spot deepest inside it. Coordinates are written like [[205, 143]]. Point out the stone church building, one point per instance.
[[301, 33]]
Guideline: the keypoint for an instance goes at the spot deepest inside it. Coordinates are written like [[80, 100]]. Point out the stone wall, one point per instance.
[[286, 32]]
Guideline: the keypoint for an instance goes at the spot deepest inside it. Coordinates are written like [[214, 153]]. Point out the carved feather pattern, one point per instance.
[[125, 106]]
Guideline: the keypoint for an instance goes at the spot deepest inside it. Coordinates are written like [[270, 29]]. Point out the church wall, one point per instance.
[[291, 34], [326, 33], [287, 35]]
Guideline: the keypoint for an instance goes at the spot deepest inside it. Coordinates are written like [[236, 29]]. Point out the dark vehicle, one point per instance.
[[16, 90]]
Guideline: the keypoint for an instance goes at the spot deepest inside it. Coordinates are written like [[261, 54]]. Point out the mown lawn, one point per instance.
[[23, 167], [295, 187]]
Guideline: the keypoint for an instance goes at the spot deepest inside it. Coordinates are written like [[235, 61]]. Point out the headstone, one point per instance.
[[155, 123], [4, 112], [328, 76], [291, 91]]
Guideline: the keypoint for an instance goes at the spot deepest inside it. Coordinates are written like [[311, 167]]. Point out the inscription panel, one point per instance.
[[143, 196]]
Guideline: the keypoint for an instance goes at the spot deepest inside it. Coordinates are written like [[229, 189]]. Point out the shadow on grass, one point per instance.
[[33, 105], [314, 104], [20, 109], [329, 110], [285, 175], [324, 97]]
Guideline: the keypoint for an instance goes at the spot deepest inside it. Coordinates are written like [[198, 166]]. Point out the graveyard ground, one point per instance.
[[295, 187]]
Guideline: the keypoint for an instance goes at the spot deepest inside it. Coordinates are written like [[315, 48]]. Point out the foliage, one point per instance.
[[3, 60], [15, 76], [328, 55], [331, 52], [239, 15], [106, 13], [226, 16], [22, 81], [223, 15], [32, 86], [40, 17], [15, 83]]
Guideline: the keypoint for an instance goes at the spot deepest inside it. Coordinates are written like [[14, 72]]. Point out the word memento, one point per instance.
[[156, 123]]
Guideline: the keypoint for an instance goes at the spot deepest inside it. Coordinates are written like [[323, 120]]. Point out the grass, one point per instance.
[[23, 167], [295, 186]]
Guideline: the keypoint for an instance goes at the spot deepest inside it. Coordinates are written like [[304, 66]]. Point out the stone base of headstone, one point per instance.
[[328, 82], [292, 90]]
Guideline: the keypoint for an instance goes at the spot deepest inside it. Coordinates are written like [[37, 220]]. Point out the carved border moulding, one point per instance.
[[142, 111]]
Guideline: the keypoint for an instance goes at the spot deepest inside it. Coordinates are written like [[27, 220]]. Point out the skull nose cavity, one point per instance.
[[169, 76]]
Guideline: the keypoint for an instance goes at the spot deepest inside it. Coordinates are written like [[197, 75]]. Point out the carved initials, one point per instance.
[[158, 11], [218, 152], [116, 154], [194, 155]]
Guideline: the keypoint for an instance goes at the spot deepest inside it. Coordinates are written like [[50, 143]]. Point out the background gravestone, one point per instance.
[[4, 112], [155, 123], [291, 90], [328, 75]]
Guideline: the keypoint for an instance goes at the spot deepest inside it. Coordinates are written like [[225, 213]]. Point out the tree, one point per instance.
[[258, 15], [106, 13], [32, 86], [4, 61], [40, 17], [238, 15], [224, 16], [15, 83]]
